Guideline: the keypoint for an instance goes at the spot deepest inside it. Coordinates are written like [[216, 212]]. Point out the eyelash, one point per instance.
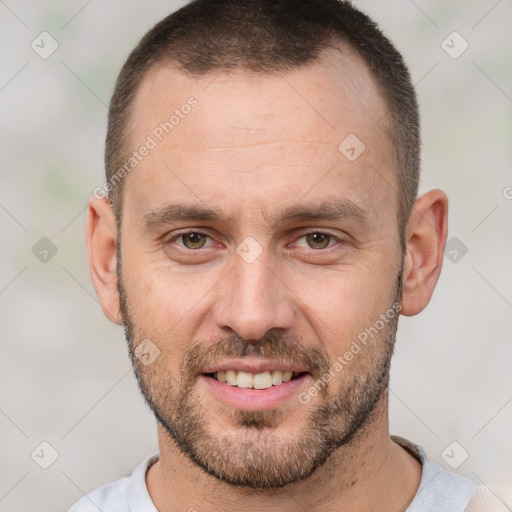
[[177, 236]]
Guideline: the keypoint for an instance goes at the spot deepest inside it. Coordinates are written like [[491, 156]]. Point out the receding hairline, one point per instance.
[[208, 38], [329, 57]]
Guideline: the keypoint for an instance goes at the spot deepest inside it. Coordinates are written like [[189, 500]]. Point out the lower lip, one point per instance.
[[255, 399]]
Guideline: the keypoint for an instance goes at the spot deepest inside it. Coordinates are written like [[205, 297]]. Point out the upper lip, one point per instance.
[[253, 366]]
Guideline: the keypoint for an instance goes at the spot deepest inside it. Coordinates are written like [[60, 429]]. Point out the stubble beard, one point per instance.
[[256, 455]]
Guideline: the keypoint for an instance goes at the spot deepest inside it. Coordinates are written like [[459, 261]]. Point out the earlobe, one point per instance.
[[426, 234], [101, 247]]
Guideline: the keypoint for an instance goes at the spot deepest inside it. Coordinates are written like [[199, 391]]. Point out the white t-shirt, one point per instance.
[[439, 490]]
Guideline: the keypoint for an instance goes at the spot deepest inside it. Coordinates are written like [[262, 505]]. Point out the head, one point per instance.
[[271, 220]]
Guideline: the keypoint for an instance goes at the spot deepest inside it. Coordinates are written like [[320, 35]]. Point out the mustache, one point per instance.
[[284, 348]]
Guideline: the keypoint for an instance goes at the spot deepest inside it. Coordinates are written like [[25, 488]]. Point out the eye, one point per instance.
[[192, 240], [316, 240]]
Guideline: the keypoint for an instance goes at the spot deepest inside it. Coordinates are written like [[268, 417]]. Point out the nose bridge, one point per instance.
[[253, 299]]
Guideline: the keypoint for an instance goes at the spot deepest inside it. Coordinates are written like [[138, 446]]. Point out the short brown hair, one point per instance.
[[268, 36]]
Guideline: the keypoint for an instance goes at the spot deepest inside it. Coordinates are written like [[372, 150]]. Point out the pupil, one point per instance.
[[318, 240], [193, 240]]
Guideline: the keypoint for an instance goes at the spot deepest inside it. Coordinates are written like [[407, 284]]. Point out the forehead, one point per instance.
[[250, 137]]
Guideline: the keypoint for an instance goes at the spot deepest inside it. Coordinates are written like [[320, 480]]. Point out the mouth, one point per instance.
[[254, 384], [248, 380]]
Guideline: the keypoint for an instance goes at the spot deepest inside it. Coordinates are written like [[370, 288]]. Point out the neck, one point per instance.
[[370, 472]]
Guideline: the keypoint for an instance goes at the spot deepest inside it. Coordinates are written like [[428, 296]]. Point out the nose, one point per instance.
[[253, 300]]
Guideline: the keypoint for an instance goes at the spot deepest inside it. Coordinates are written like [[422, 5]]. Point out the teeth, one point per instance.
[[230, 377], [249, 380], [262, 380], [244, 380], [277, 377]]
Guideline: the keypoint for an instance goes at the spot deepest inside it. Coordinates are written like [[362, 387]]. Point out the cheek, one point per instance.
[[341, 305], [165, 301]]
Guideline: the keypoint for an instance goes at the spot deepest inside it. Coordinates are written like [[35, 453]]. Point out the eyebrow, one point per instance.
[[325, 211]]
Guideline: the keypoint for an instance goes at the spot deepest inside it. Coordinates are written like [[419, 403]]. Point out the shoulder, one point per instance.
[[123, 495], [439, 490], [112, 497], [485, 500]]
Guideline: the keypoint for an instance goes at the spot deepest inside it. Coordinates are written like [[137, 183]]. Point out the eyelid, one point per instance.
[[202, 231], [309, 231], [176, 235]]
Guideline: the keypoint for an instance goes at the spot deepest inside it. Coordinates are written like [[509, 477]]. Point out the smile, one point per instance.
[[247, 380]]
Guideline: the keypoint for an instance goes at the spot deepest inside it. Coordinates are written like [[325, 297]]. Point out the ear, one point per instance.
[[425, 234], [101, 247]]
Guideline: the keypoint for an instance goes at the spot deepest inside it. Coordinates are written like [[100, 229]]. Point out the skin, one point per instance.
[[254, 146]]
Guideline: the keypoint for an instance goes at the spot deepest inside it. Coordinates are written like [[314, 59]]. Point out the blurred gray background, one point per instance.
[[65, 378]]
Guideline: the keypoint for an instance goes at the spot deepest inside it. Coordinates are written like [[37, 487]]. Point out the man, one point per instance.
[[262, 234]]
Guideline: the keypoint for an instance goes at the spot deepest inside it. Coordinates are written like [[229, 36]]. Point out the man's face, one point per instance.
[[248, 237]]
